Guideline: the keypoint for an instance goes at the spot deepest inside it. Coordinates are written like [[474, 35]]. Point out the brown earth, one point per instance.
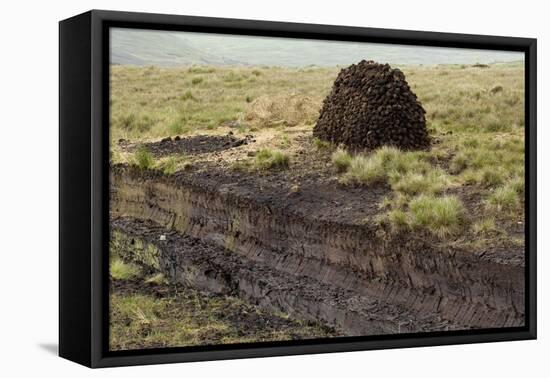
[[297, 241], [213, 269]]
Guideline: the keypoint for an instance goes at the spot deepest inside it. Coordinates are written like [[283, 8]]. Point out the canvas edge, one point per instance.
[[99, 78]]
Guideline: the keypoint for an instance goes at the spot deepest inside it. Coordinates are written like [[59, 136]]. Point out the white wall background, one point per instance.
[[29, 188]]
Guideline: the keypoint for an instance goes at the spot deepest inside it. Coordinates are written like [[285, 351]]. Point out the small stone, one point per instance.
[[162, 238]]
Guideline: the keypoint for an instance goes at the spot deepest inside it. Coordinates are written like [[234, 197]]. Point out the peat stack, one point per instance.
[[371, 105]]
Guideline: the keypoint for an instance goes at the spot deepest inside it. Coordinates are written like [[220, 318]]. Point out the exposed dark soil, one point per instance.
[[207, 267], [301, 223], [296, 240], [190, 145], [310, 188]]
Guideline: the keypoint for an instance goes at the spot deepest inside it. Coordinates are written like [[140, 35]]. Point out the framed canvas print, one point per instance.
[[234, 188]]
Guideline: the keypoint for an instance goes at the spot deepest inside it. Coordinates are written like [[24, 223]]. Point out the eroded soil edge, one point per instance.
[[343, 274]]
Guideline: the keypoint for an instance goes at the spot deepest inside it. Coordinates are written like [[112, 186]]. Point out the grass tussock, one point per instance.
[[172, 164], [323, 145], [365, 170], [441, 216], [398, 218], [136, 123], [406, 172], [119, 270], [503, 199], [143, 159], [341, 160], [177, 127], [201, 69], [188, 95], [264, 159], [431, 182], [484, 226], [284, 141], [271, 159], [197, 80]]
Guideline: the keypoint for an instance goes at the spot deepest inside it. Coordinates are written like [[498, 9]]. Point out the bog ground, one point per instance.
[[395, 240], [475, 117]]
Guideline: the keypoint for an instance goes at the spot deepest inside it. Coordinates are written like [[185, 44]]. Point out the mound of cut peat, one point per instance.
[[371, 105]]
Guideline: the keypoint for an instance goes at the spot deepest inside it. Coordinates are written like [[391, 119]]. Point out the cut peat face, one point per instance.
[[296, 254]]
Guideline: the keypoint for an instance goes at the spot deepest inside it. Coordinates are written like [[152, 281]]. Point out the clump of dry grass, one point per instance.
[[503, 199], [119, 270], [171, 164], [143, 158], [406, 172], [264, 160], [365, 170], [439, 215], [269, 159], [341, 159], [284, 109], [484, 226], [323, 145]]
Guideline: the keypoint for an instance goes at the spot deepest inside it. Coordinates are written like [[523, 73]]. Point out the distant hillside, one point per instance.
[[302, 52], [147, 47]]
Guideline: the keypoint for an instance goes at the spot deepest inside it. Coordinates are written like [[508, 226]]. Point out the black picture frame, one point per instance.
[[84, 192]]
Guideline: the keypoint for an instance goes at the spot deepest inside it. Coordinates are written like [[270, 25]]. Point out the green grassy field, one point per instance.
[[155, 102]]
